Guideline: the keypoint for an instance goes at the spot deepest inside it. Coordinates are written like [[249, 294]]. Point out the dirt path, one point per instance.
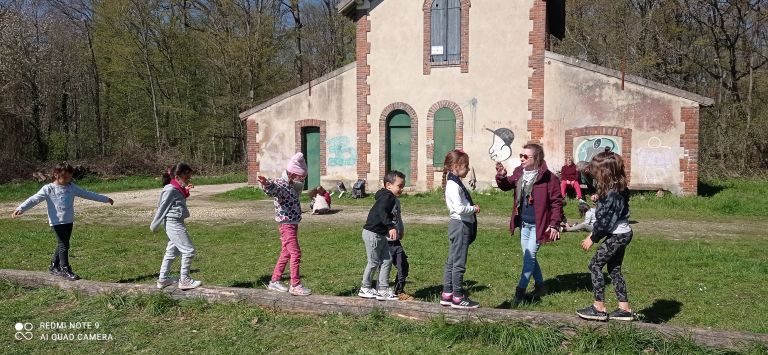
[[138, 207]]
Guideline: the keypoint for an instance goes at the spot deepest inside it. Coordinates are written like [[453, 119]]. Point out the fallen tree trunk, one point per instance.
[[321, 304]]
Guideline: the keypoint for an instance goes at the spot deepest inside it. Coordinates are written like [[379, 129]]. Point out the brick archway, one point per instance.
[[431, 136], [624, 133], [464, 62], [312, 123], [414, 139]]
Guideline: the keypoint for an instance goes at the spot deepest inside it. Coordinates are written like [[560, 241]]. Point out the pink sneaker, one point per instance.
[[446, 299]]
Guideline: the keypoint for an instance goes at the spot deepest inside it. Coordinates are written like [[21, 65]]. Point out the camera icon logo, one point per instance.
[[24, 331]]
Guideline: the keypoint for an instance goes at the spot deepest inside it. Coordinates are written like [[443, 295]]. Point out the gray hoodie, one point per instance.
[[172, 204]]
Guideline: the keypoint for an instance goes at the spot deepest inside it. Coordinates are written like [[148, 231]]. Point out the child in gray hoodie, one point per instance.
[[171, 212]]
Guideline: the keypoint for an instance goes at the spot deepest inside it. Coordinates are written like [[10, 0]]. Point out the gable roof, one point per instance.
[[704, 101]]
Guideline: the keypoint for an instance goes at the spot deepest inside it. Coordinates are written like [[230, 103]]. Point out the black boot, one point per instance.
[[519, 296], [66, 272], [54, 269]]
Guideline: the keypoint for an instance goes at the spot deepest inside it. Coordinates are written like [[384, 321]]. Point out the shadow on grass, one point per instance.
[[661, 311], [580, 281], [332, 211], [261, 283], [708, 190], [146, 277]]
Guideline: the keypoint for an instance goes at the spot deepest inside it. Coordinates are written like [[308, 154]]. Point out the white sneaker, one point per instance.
[[386, 295], [299, 290], [277, 286], [188, 284], [165, 283], [367, 292]]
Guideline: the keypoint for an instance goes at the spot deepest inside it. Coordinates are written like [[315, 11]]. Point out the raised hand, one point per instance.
[[500, 169]]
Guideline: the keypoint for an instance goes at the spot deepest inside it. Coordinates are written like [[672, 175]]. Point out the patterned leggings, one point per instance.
[[610, 253]]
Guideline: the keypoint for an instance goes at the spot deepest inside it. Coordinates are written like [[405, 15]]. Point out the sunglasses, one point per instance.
[[524, 156]]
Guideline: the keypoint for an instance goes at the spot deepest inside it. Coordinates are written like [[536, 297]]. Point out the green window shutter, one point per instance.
[[444, 134]]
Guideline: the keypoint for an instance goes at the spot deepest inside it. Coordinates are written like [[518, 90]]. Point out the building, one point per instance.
[[434, 75]]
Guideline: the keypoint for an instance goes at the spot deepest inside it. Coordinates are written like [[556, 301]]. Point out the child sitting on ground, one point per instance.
[[589, 219], [320, 200]]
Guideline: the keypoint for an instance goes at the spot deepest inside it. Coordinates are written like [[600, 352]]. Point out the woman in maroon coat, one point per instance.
[[537, 211], [569, 176]]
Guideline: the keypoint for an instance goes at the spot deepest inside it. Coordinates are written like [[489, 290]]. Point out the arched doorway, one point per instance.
[[398, 143]]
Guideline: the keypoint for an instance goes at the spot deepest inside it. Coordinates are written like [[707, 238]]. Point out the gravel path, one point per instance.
[[138, 207]]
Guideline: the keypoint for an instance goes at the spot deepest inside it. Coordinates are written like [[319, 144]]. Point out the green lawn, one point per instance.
[[156, 324], [19, 191]]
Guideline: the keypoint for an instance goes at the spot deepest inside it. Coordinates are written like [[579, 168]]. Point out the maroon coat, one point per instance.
[[569, 173], [547, 200]]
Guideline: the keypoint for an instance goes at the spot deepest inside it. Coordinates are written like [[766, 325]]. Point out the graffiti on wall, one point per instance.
[[501, 148], [341, 152], [655, 161], [591, 146]]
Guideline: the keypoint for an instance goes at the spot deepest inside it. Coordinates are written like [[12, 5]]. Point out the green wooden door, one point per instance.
[[310, 146], [445, 135], [399, 144]]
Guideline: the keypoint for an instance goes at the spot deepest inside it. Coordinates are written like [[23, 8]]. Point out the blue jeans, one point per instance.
[[530, 248]]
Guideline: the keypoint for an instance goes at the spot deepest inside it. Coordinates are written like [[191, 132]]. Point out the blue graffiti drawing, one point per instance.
[[591, 146], [341, 152]]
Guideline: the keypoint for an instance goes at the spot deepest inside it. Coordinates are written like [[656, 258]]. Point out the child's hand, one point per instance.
[[477, 209], [586, 243], [110, 201], [500, 169], [16, 213], [263, 181], [393, 234], [189, 187]]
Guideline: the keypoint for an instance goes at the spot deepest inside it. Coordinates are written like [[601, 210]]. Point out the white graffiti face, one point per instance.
[[499, 151]]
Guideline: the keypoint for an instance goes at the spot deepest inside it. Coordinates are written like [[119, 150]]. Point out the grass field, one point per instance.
[[20, 191], [708, 281]]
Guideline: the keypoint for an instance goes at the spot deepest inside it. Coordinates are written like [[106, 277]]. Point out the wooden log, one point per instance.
[[416, 310]]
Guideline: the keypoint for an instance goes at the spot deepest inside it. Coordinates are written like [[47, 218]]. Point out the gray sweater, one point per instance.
[[172, 204]]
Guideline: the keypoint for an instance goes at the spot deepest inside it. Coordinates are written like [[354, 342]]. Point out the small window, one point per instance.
[[445, 32], [445, 135]]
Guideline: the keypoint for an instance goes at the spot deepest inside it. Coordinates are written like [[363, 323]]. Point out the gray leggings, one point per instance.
[[377, 252], [610, 253], [460, 235], [178, 243]]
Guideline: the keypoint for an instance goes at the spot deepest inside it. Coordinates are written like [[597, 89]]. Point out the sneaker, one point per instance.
[[367, 292], [277, 286], [188, 284], [464, 302], [66, 272], [446, 299], [592, 313], [620, 314], [299, 290], [54, 270], [402, 296], [161, 284], [386, 295]]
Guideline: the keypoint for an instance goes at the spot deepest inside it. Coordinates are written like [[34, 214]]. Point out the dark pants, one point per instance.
[[61, 253], [400, 261], [610, 253]]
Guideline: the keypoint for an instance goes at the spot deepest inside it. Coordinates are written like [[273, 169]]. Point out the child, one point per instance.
[[288, 216], [382, 226], [60, 198], [171, 212], [321, 200], [589, 219], [612, 223], [462, 229], [569, 176]]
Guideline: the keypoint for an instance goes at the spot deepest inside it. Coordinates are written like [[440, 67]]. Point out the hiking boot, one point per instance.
[[592, 313], [161, 284], [367, 292], [299, 290], [386, 295], [464, 302], [446, 299], [188, 283], [277, 286], [539, 290], [519, 296], [620, 314], [402, 296], [66, 272], [54, 269]]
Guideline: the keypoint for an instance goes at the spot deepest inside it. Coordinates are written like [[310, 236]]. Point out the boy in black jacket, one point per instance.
[[382, 226]]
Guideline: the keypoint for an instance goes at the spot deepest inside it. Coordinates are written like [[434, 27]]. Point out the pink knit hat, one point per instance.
[[297, 165]]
